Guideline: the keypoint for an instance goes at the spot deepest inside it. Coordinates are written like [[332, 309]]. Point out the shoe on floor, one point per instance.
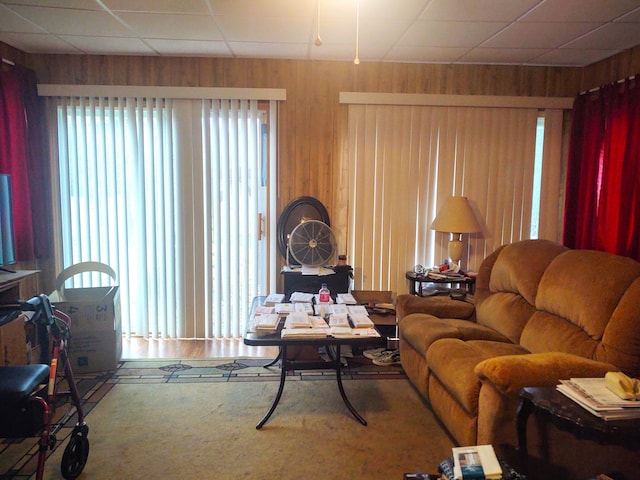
[[376, 352], [387, 360]]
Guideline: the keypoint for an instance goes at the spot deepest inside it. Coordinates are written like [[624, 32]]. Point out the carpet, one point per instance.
[[196, 420]]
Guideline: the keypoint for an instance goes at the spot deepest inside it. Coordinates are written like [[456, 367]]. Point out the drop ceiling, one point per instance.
[[523, 32]]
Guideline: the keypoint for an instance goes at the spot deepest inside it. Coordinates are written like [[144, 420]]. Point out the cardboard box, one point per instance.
[[96, 329], [13, 343]]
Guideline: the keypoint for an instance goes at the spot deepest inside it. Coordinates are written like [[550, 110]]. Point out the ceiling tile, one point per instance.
[[538, 35], [614, 35], [190, 47], [502, 55], [425, 54], [265, 9], [449, 34], [333, 51], [107, 45], [276, 50], [579, 10], [255, 29], [12, 22], [478, 10], [79, 4], [37, 43], [158, 6], [571, 57], [160, 25], [74, 22], [379, 9]]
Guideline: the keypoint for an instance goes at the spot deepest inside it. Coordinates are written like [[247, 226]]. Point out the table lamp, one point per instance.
[[456, 217]]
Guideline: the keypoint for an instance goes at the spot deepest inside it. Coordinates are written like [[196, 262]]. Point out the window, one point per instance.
[[403, 161], [169, 193]]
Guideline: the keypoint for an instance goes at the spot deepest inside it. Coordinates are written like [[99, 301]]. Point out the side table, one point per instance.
[[554, 407], [416, 281]]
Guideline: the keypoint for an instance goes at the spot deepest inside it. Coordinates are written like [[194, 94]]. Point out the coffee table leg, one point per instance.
[[341, 388], [275, 360], [283, 377]]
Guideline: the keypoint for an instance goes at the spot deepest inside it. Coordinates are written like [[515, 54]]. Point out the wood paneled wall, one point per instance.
[[312, 124], [311, 121]]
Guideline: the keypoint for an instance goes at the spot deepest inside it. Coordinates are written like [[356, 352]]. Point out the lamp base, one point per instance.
[[455, 248]]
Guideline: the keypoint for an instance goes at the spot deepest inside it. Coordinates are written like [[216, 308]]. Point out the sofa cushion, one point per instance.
[[506, 293], [579, 302], [453, 361], [421, 330]]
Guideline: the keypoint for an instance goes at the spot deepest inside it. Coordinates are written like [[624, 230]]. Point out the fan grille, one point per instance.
[[312, 243]]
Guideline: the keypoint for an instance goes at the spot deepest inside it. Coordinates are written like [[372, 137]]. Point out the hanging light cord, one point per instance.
[[318, 40], [357, 59]]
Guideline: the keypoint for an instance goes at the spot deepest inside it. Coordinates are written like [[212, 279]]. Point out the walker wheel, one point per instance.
[[75, 455]]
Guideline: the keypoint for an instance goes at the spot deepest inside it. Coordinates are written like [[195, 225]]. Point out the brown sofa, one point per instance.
[[542, 313]]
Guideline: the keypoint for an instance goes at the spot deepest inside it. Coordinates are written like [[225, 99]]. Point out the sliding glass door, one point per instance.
[[173, 194]]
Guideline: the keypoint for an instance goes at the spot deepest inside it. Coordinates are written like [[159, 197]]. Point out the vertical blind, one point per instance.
[[168, 193], [403, 161]]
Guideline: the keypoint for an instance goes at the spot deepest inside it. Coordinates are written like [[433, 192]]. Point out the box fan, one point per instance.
[[304, 233]]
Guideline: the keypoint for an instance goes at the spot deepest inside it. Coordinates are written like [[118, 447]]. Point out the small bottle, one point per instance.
[[324, 295]]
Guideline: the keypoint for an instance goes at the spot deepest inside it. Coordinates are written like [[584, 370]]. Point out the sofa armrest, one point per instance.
[[438, 306], [511, 373]]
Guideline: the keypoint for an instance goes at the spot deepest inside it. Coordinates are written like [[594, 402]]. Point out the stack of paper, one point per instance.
[[593, 395], [346, 298], [267, 323], [263, 309], [274, 298], [316, 327], [284, 308], [476, 462], [300, 297], [361, 321], [297, 320], [339, 320]]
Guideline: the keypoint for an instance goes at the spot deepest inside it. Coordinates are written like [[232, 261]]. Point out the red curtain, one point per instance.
[[22, 155], [602, 202]]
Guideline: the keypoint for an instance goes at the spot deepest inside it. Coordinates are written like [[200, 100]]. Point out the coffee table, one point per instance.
[[333, 350]]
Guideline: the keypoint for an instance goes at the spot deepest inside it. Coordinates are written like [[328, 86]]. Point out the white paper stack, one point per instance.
[[284, 308], [593, 395], [267, 322], [273, 298], [346, 298], [300, 297], [297, 320], [361, 321]]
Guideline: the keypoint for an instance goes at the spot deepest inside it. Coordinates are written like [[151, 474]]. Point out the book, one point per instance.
[[263, 309], [284, 307], [339, 320], [297, 320], [361, 321], [346, 298], [267, 322], [273, 298], [476, 462], [301, 297]]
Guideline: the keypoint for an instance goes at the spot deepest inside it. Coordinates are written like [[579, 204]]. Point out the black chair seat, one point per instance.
[[19, 381]]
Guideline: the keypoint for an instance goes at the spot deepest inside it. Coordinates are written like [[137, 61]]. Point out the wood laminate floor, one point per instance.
[[142, 348]]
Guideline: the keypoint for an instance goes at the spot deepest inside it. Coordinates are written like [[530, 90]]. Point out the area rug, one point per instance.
[[195, 420]]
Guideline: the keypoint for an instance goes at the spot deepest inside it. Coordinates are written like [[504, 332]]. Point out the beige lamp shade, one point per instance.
[[456, 217]]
